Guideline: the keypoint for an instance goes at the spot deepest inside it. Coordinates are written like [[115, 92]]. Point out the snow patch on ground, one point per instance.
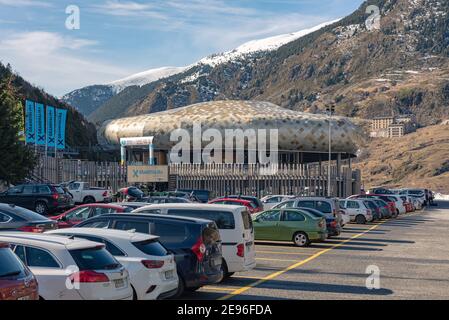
[[439, 196]]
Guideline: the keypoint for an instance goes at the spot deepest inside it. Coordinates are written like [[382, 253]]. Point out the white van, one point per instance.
[[235, 226]]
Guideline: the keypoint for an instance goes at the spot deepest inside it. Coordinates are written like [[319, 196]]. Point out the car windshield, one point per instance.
[[10, 265], [314, 213]]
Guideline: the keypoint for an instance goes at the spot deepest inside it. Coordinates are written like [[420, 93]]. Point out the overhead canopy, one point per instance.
[[298, 131]]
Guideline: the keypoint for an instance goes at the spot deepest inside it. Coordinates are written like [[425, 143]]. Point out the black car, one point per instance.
[[14, 218], [195, 243], [254, 200], [332, 226], [41, 198]]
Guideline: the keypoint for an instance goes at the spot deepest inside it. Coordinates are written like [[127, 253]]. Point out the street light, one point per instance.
[[329, 109]]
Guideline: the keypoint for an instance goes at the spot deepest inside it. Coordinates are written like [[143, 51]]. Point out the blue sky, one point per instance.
[[118, 38]]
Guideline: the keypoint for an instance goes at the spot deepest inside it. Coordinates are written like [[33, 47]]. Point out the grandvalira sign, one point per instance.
[[146, 174]]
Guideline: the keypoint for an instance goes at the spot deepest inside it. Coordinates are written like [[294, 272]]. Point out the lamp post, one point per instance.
[[329, 109]]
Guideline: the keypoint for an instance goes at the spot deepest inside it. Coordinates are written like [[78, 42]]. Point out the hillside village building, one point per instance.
[[392, 126]]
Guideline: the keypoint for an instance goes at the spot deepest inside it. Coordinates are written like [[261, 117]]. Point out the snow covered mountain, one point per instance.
[[89, 98]]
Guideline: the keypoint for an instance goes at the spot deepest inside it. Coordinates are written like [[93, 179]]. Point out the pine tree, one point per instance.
[[16, 159]]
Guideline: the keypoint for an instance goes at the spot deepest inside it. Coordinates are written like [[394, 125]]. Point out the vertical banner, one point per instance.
[[40, 124], [51, 127], [61, 118], [30, 135]]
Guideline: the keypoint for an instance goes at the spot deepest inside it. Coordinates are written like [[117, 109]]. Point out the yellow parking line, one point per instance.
[[247, 277], [267, 259], [217, 288], [293, 266], [288, 253]]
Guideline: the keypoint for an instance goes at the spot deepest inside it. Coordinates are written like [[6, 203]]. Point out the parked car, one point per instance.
[[82, 192], [152, 270], [234, 224], [93, 273], [390, 201], [384, 208], [13, 218], [272, 200], [257, 203], [375, 208], [202, 195], [41, 198], [289, 224], [16, 280], [195, 243], [417, 194], [333, 228], [165, 199], [328, 206], [250, 206], [398, 203], [83, 212], [190, 196], [380, 190], [408, 203], [358, 210], [130, 206]]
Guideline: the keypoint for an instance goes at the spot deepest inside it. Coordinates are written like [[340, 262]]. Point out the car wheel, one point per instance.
[[360, 219], [300, 239], [181, 287], [224, 269], [88, 200], [192, 289], [134, 293], [40, 207]]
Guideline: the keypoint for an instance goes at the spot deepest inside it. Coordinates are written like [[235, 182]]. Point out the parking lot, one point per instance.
[[411, 253]]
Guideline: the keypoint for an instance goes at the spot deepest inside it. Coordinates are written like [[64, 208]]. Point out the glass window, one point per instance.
[[43, 189], [28, 190], [293, 216], [287, 204], [79, 214], [25, 214], [99, 211], [323, 206], [247, 221], [59, 190], [74, 186], [306, 204], [353, 205], [20, 252], [151, 247], [170, 232], [104, 224], [15, 190], [273, 200], [40, 258], [139, 226], [97, 258], [4, 218], [113, 249], [270, 216], [223, 219], [10, 265]]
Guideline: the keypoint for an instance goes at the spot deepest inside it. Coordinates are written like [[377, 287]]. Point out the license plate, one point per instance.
[[120, 283], [24, 298]]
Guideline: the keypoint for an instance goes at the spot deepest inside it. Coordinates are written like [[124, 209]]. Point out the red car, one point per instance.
[[236, 202], [391, 203], [16, 280], [83, 212]]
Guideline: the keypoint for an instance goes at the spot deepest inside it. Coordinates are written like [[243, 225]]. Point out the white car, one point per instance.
[[417, 194], [70, 269], [152, 270], [272, 200], [82, 192], [234, 224], [357, 210], [399, 203]]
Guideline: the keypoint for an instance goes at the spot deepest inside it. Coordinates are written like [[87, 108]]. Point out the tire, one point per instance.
[[134, 294], [360, 219], [41, 208], [88, 199], [300, 239], [224, 269], [181, 288], [192, 289]]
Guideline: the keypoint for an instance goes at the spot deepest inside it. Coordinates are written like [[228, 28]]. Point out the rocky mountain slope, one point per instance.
[[420, 159], [401, 67]]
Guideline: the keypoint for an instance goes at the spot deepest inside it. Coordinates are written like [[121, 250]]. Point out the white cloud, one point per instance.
[[128, 9], [24, 3], [55, 62]]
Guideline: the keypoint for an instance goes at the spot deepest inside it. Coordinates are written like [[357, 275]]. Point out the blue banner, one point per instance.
[[61, 118], [30, 134], [40, 124], [51, 136]]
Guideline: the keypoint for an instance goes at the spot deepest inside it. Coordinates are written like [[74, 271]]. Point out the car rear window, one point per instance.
[[10, 265], [28, 215], [415, 192], [223, 219], [173, 232], [94, 259], [323, 206], [151, 247], [369, 205], [43, 190], [59, 190]]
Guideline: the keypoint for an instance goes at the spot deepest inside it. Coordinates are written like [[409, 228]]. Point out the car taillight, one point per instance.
[[105, 194], [88, 276], [241, 250], [199, 249], [55, 196], [34, 229], [333, 224], [153, 264]]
